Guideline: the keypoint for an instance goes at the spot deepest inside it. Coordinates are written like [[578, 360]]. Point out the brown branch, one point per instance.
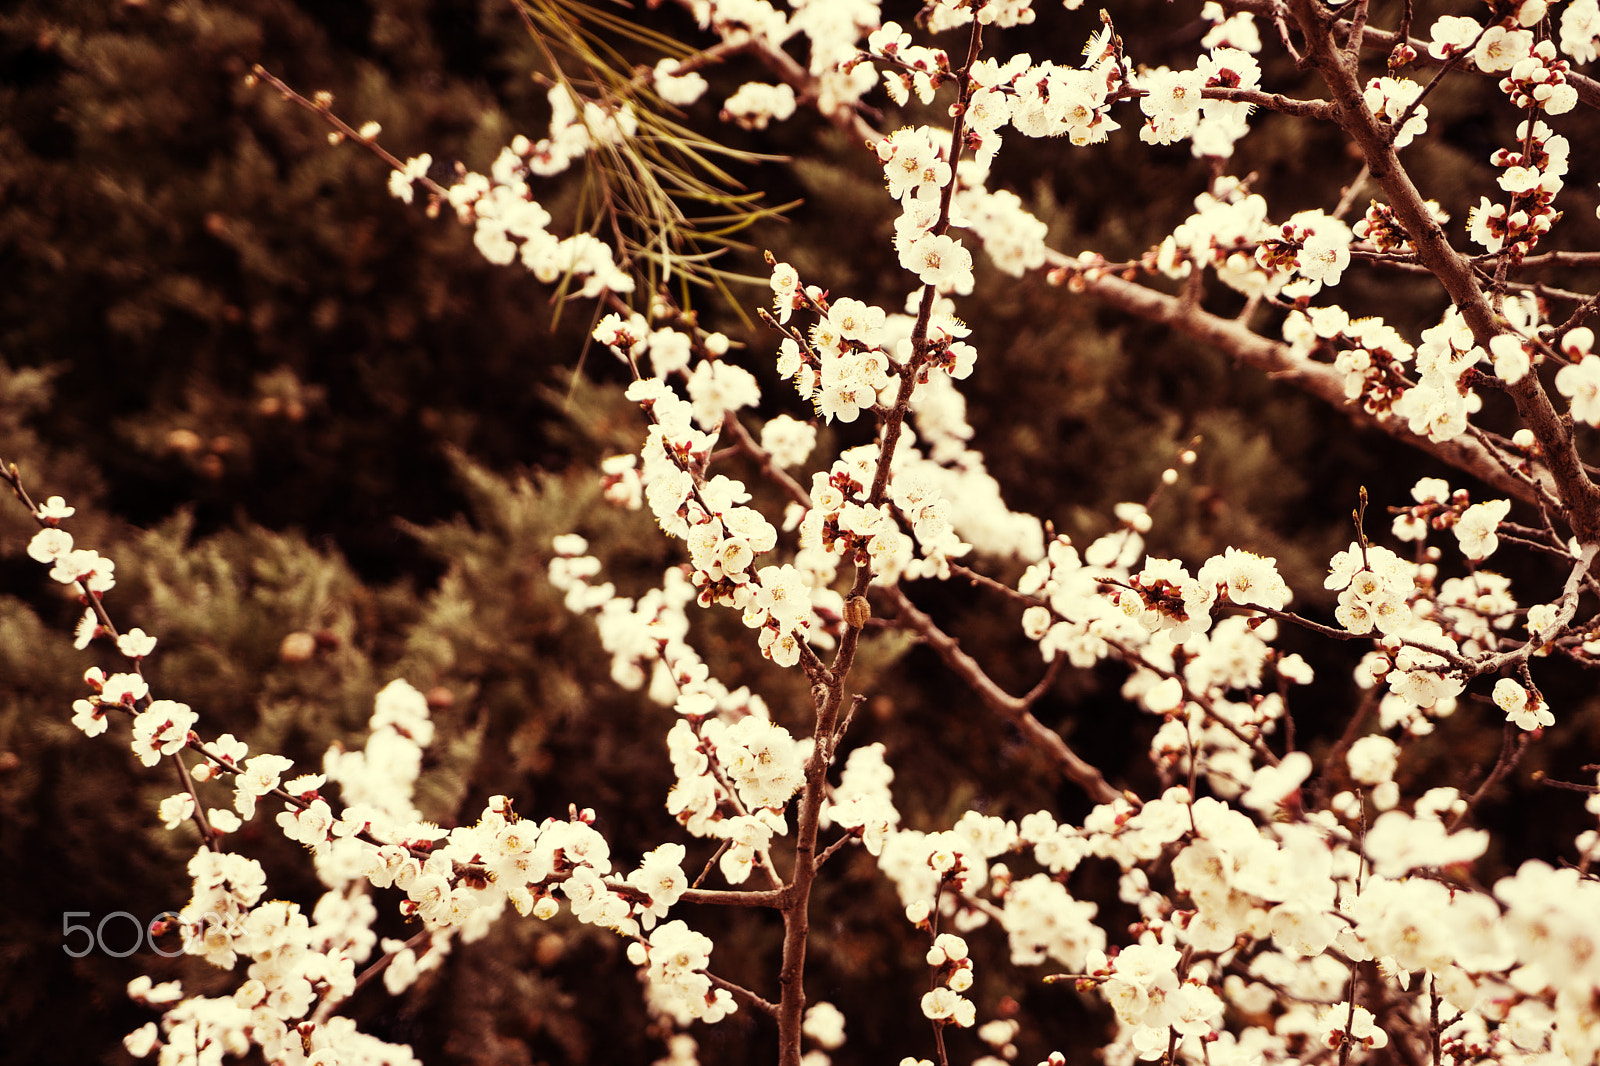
[[1011, 708], [731, 898], [979, 578], [829, 686], [1552, 259], [827, 853], [324, 111], [1051, 673], [745, 443], [1514, 742], [1320, 110], [1282, 363], [743, 995]]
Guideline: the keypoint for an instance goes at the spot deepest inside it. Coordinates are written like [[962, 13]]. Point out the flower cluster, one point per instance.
[[674, 961], [1539, 80], [1580, 30], [909, 68], [952, 975], [1533, 178], [1372, 355], [1171, 103], [1390, 100], [1311, 245], [1438, 508], [509, 224], [1579, 381], [917, 172], [757, 104], [676, 86], [1383, 231], [68, 565], [861, 802], [1223, 233]]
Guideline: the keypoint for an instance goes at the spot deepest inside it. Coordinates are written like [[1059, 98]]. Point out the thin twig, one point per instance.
[[1011, 708], [743, 995], [326, 1008]]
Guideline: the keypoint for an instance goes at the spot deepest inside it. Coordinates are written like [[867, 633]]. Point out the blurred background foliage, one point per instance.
[[328, 445]]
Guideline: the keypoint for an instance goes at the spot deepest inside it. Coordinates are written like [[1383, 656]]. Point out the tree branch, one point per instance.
[[1580, 495], [1002, 703], [1281, 362], [743, 995]]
